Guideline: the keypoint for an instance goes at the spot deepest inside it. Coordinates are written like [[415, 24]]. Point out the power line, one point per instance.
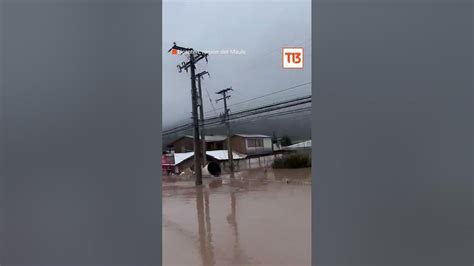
[[279, 114], [260, 109], [269, 100], [209, 96], [240, 119], [245, 101], [246, 113], [179, 127], [274, 109], [263, 109], [265, 95], [273, 93]]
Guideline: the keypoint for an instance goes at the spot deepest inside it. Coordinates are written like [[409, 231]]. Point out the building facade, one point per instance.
[[252, 144], [186, 143], [248, 144]]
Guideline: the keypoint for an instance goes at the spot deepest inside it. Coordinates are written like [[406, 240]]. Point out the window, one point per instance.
[[255, 143]]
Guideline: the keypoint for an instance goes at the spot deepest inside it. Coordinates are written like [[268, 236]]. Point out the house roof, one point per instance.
[[208, 139], [212, 138], [218, 155], [223, 155], [180, 157], [216, 138], [252, 136]]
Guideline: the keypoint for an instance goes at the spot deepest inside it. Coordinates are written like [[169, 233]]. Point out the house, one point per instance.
[[248, 144], [186, 143], [252, 144]]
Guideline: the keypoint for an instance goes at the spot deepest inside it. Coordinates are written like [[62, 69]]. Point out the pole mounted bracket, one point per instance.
[[198, 55], [201, 75]]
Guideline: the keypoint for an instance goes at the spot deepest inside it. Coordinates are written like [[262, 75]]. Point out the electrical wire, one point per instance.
[[245, 113]]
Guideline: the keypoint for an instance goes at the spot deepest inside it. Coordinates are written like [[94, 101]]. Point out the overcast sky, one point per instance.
[[260, 28]]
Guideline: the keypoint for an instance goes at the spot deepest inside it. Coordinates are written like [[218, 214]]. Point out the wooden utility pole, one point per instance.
[[226, 117], [194, 57], [197, 146], [201, 117]]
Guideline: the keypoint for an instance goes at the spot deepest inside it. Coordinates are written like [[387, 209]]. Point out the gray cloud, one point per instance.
[[259, 28]]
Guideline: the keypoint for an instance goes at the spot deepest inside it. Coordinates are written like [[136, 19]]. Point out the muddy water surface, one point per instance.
[[256, 218]]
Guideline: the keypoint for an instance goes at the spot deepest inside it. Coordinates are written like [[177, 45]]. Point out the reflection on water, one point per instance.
[[208, 228], [205, 235], [292, 174], [254, 222], [205, 232], [239, 257]]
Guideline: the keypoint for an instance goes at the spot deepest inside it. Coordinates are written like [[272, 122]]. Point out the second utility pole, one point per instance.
[[201, 118], [226, 117]]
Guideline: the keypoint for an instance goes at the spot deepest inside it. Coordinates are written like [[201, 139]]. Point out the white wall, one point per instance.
[[267, 147], [267, 143]]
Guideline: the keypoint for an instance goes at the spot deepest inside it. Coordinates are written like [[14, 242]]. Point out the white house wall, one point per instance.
[[267, 143], [267, 147]]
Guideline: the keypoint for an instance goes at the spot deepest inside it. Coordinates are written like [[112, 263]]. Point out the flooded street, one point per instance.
[[260, 217]]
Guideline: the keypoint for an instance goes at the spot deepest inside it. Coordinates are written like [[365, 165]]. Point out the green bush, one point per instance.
[[295, 160], [285, 141]]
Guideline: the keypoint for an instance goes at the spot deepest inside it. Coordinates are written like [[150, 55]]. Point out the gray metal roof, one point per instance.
[[300, 145], [211, 138], [221, 155], [252, 136]]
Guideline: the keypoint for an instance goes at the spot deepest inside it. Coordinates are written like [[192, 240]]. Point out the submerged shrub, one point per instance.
[[296, 160]]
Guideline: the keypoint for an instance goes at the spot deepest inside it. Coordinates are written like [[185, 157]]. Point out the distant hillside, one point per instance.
[[297, 128]]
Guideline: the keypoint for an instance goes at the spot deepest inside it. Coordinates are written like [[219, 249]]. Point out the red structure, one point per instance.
[[167, 164]]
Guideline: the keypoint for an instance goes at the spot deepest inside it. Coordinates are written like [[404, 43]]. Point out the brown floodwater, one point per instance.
[[259, 217]]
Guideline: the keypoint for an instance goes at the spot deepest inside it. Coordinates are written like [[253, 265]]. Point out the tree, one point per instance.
[[285, 141], [274, 138]]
